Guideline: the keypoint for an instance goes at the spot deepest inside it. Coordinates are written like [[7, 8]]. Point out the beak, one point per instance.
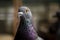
[[20, 14]]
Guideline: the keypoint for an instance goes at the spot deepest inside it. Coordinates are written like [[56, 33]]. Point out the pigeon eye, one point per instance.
[[18, 10], [26, 11]]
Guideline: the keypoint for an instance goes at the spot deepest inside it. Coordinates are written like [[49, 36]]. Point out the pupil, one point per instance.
[[26, 10]]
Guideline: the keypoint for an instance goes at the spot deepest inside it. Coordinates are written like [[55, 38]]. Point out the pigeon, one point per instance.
[[26, 29]]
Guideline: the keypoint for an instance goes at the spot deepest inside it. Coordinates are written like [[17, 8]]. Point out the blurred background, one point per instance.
[[42, 10]]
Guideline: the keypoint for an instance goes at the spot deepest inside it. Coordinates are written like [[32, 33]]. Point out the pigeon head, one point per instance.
[[23, 10]]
